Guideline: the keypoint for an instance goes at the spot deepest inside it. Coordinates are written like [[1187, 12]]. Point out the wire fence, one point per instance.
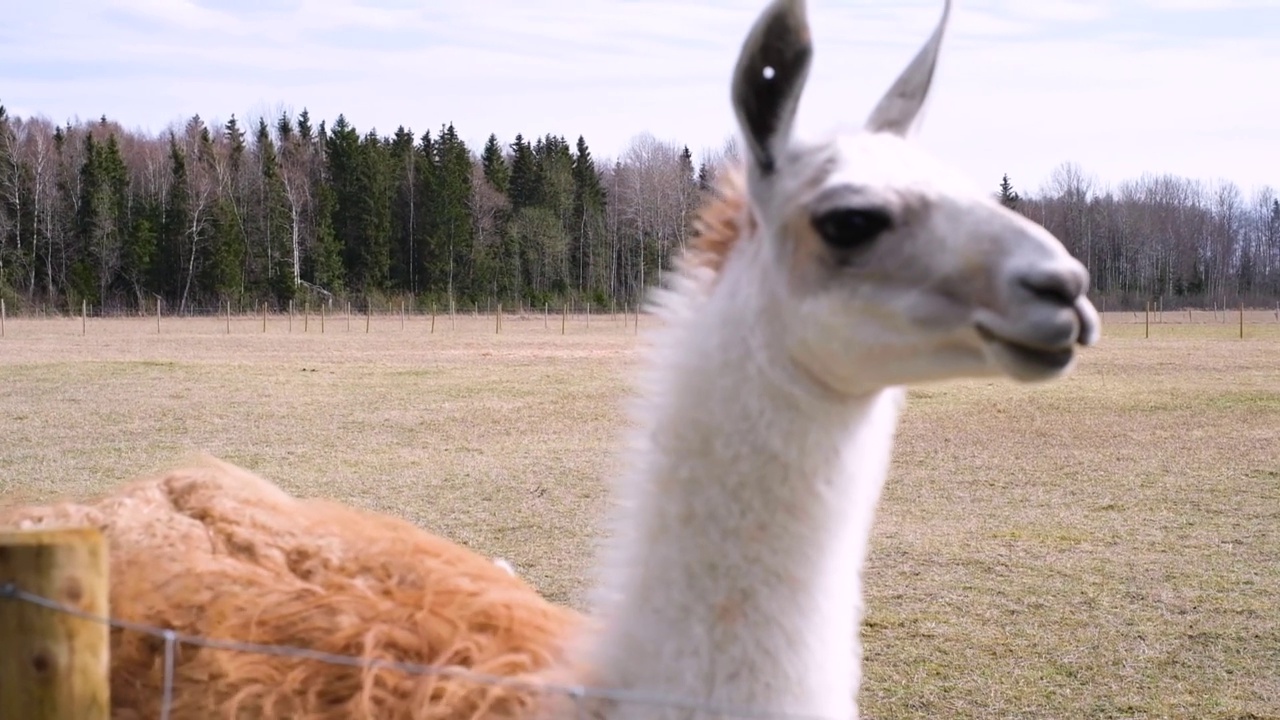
[[10, 592]]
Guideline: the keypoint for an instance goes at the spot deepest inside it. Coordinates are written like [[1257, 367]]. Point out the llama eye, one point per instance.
[[848, 229]]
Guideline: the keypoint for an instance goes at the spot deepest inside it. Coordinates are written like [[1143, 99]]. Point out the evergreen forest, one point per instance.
[[280, 209]]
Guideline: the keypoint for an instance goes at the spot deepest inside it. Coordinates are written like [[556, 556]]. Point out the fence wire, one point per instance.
[[12, 593]]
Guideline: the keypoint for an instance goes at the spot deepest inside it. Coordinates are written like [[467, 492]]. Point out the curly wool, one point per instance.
[[210, 549]]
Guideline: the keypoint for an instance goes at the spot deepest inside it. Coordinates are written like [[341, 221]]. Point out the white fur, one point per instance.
[[764, 429], [732, 578]]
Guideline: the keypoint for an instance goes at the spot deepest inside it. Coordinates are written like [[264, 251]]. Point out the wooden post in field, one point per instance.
[[1241, 319], [322, 314], [1188, 316], [401, 314], [158, 302], [2, 317], [588, 316], [368, 315], [433, 317], [290, 315], [55, 666], [564, 317], [228, 317], [1147, 332], [84, 317], [348, 316], [497, 320], [264, 317], [546, 314], [306, 315]]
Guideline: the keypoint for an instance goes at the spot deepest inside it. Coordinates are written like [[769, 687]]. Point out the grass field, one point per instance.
[[1107, 546]]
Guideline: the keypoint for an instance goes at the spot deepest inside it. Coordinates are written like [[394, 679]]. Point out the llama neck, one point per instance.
[[733, 572]]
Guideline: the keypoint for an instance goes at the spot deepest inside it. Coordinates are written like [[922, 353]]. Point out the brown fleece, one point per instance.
[[210, 549]]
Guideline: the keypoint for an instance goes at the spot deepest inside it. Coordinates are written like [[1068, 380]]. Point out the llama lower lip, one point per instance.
[[1028, 356]]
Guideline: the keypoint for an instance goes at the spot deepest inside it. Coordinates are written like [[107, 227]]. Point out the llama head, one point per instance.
[[891, 268]]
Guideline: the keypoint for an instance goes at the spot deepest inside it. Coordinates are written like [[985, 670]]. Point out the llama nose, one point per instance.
[[1057, 284]]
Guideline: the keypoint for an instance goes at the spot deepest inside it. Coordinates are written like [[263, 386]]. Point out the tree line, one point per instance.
[[201, 215]]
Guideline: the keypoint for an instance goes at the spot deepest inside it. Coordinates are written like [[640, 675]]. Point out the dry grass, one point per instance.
[[1102, 547]]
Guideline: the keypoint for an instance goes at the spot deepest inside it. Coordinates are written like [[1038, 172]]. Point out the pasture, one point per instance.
[[1107, 546]]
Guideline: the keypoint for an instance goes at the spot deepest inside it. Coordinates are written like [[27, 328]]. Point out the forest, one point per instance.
[[205, 214]]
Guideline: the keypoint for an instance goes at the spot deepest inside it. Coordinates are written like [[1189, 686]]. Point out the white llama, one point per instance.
[[859, 266]]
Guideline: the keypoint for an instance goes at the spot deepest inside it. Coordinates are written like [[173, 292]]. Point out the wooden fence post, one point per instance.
[[497, 320], [433, 317], [322, 318], [401, 314], [306, 315], [228, 317], [1, 317], [55, 666], [290, 316], [1241, 319], [84, 317], [564, 317], [1147, 331]]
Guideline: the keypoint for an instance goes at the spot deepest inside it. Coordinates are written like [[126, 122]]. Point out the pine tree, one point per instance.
[[273, 215], [103, 199], [173, 248], [375, 188], [523, 189], [495, 165], [342, 166], [1008, 196], [425, 271], [588, 213], [9, 193], [405, 210], [705, 176], [451, 204]]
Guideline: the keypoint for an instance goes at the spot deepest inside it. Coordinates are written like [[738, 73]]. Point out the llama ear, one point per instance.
[[767, 81], [897, 110]]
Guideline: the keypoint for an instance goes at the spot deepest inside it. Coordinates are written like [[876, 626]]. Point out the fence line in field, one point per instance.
[[11, 593], [262, 319]]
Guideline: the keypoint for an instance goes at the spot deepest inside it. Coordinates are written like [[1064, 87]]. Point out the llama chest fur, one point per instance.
[[734, 579]]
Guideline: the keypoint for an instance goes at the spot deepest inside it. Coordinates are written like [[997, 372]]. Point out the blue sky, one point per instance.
[[1118, 86]]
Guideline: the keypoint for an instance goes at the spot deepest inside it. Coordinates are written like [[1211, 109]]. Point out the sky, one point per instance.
[[1119, 87]]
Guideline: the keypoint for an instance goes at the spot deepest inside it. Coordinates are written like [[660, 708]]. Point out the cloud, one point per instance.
[[1121, 87], [178, 14]]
